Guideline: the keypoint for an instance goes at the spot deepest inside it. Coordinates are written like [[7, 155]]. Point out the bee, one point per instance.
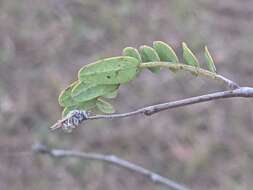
[[73, 119]]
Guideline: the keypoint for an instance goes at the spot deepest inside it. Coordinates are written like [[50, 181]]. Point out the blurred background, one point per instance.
[[43, 44]]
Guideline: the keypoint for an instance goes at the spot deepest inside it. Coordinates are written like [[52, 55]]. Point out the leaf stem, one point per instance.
[[192, 69]]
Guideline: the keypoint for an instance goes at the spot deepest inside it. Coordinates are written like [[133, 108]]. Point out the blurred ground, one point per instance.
[[44, 43]]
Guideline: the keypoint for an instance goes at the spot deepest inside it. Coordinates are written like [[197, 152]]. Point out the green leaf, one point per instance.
[[116, 70], [132, 52], [165, 52], [87, 106], [65, 98], [111, 95], [209, 61], [148, 54], [189, 57], [104, 106], [87, 91]]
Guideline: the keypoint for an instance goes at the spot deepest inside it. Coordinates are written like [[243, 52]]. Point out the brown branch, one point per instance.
[[73, 119], [111, 159], [244, 92]]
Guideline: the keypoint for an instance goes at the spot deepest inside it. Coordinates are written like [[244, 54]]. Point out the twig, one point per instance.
[[154, 177], [244, 92], [76, 117]]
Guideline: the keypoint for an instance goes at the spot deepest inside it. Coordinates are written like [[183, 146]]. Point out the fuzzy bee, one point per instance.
[[71, 120]]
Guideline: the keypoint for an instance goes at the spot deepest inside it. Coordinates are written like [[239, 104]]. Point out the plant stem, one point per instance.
[[195, 70]]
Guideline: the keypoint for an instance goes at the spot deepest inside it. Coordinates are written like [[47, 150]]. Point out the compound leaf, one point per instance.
[[115, 70], [148, 54], [87, 91], [104, 106], [101, 79], [189, 57], [165, 52], [209, 61]]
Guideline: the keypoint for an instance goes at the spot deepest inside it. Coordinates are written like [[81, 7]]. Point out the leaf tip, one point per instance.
[[189, 56], [209, 60]]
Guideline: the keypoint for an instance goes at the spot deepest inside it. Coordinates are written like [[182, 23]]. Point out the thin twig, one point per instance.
[[76, 117], [154, 177], [244, 92]]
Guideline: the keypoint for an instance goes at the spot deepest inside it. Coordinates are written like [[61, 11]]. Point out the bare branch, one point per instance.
[[154, 177], [244, 92], [76, 117]]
